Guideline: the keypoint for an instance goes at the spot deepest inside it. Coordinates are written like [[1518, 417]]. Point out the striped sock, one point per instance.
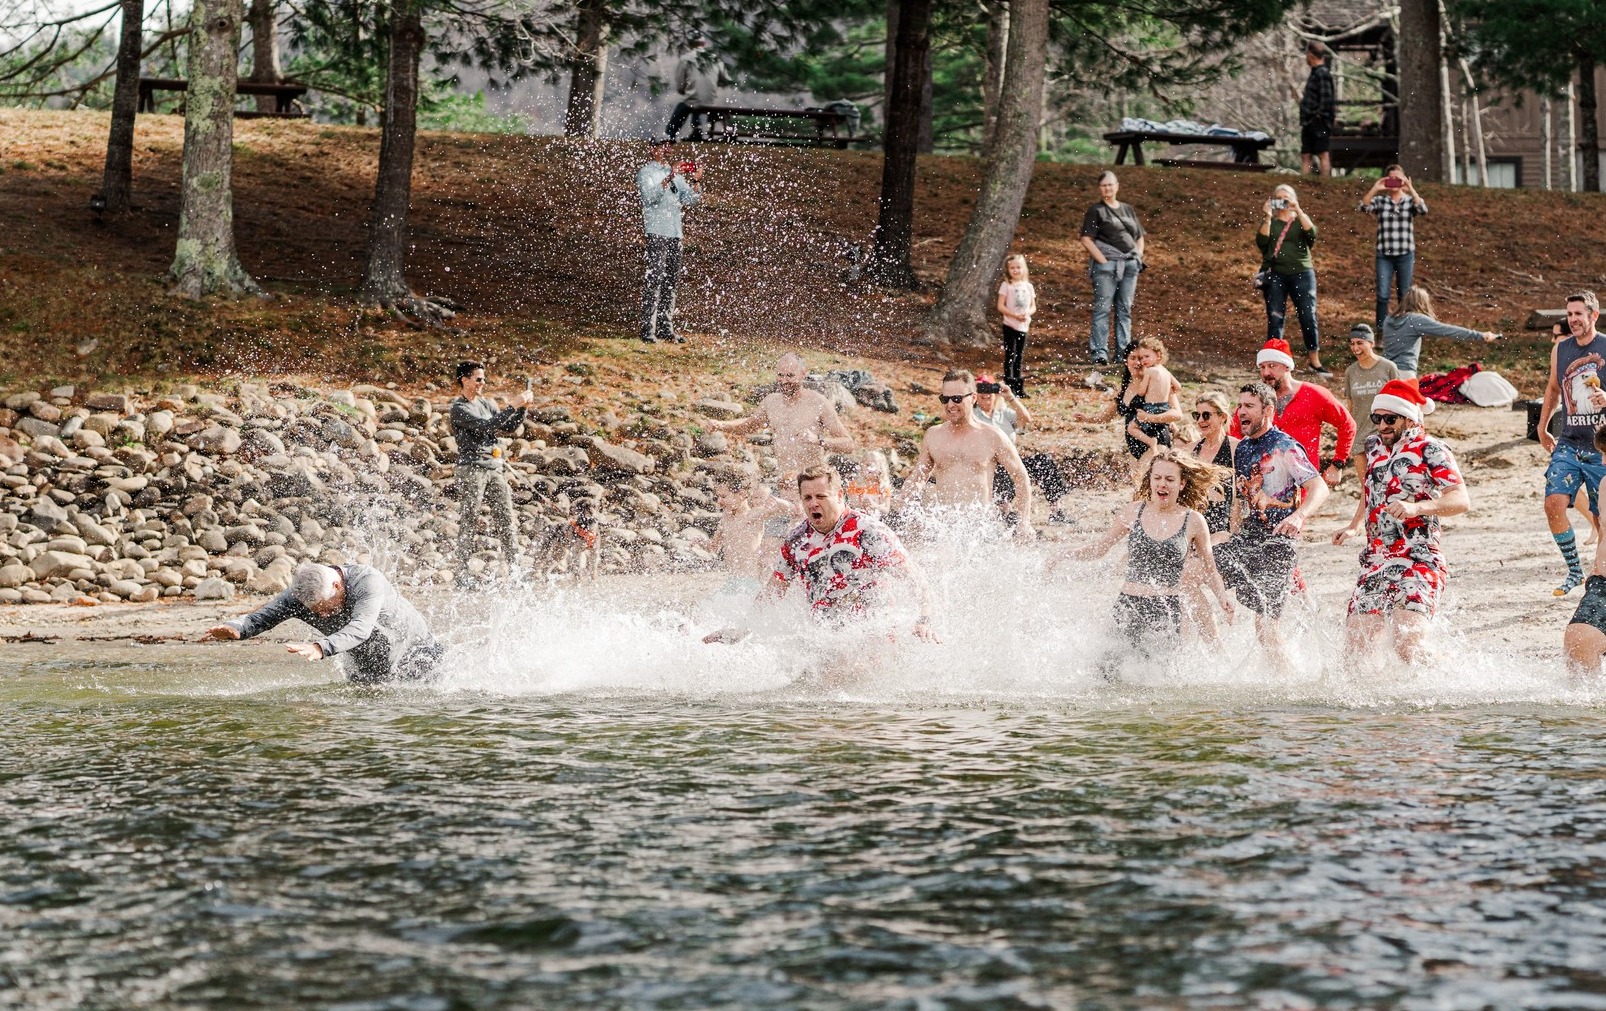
[[1569, 553]]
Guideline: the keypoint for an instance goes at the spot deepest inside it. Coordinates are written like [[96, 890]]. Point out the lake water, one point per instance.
[[592, 808]]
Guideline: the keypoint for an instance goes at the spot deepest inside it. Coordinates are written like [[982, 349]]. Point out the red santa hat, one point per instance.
[[1399, 397], [1276, 350]]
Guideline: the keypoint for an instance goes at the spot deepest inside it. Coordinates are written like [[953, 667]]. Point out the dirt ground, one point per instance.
[[1504, 563], [538, 238]]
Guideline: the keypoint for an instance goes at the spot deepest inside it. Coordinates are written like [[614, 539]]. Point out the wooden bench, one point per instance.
[[734, 124], [1245, 150], [285, 94]]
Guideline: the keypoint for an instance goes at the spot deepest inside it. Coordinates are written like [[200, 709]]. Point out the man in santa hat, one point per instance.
[[1302, 410], [1411, 483]]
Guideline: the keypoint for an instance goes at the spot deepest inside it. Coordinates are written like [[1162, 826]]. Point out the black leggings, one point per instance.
[[1014, 359]]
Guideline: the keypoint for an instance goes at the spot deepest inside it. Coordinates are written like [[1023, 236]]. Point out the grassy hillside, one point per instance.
[[538, 239]]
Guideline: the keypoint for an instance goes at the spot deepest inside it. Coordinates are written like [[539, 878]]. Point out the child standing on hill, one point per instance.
[[1017, 302]]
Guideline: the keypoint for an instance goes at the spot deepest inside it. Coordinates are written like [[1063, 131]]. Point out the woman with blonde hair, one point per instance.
[[869, 488], [1017, 302], [1287, 271], [1162, 526], [1403, 331]]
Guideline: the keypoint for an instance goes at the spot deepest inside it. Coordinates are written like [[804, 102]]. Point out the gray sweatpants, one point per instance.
[[474, 484]]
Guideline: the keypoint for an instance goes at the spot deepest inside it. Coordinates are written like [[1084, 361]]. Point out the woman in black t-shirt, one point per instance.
[[1114, 242]]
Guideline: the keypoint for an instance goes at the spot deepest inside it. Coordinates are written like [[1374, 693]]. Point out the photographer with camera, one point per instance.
[[1286, 269], [665, 190], [1394, 202]]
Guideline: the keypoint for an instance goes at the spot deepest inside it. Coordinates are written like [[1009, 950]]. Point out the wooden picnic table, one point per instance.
[[736, 124], [1245, 150], [285, 94]]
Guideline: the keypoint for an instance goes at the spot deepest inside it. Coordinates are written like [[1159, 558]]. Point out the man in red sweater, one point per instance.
[[1302, 410]]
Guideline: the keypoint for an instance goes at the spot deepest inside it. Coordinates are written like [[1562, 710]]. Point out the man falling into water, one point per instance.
[[960, 457], [846, 562], [802, 423], [1412, 481]]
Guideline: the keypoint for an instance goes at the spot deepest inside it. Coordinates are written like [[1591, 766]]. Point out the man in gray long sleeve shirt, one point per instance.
[[664, 191], [361, 615], [476, 425]]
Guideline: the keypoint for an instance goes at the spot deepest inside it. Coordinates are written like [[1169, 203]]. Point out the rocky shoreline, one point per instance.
[[202, 494]]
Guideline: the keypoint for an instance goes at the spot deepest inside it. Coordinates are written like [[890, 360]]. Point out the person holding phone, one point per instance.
[[665, 191], [1394, 202], [1285, 239]]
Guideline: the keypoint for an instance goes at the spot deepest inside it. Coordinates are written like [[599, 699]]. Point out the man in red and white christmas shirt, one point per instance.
[[846, 562], [1412, 481], [1302, 410]]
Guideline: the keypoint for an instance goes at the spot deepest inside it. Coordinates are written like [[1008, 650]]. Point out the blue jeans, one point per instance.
[[1109, 293], [1302, 286], [1395, 272]]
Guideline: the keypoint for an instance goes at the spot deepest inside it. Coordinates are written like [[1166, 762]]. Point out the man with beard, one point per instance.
[[801, 421], [846, 562], [1411, 483]]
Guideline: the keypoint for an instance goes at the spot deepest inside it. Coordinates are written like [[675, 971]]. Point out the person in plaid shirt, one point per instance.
[[1395, 203], [1411, 483], [845, 561], [1318, 112]]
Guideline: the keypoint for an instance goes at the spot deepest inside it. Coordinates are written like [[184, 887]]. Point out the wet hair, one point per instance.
[[1416, 299], [960, 376], [1025, 272], [1216, 399], [466, 369], [1588, 298], [1199, 479], [1107, 174], [1261, 392], [820, 472], [314, 583]]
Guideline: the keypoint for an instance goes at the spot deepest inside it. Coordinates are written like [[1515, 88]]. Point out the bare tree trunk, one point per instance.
[[1545, 120], [889, 260], [1572, 139], [927, 142], [384, 281], [117, 185], [588, 71], [1422, 124], [992, 81], [205, 261], [1590, 140], [960, 315], [264, 22], [1477, 125]]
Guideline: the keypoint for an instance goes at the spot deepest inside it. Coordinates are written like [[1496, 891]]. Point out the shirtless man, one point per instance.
[[804, 424], [747, 508], [961, 456]]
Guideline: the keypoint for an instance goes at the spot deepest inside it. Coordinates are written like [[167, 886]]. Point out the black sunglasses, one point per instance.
[[1385, 419], [955, 399], [1202, 415]]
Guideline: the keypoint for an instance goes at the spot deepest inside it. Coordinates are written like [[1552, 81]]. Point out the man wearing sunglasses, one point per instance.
[[961, 455], [1412, 482]]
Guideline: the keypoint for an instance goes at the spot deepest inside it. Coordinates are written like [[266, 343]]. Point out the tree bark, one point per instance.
[[117, 184], [1422, 126], [992, 81], [384, 280], [205, 261], [588, 71], [264, 22], [1589, 138], [960, 315], [927, 141], [889, 260]]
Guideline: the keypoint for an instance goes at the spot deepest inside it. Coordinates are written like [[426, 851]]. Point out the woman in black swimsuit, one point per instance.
[[1153, 419], [1212, 413], [1160, 526]]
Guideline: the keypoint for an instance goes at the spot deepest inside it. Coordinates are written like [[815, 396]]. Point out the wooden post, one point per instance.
[[1572, 140], [1545, 139], [1477, 125]]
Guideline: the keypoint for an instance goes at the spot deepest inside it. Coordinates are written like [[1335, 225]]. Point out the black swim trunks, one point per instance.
[[1592, 609], [1259, 570]]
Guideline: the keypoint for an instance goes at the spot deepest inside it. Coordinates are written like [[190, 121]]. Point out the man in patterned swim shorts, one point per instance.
[[1412, 482], [845, 561]]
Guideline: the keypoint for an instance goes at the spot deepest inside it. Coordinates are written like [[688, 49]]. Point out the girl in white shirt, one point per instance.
[[1017, 302]]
